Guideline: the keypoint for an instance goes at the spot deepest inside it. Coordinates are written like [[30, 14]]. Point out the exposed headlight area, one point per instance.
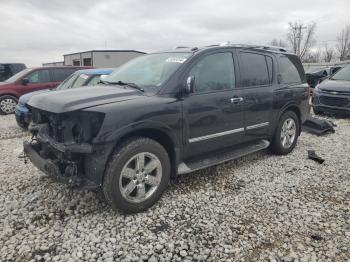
[[80, 127], [69, 128]]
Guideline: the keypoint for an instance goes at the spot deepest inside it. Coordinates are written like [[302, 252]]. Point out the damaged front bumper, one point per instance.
[[75, 164]]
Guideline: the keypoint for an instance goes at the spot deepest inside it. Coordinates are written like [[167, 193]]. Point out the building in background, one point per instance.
[[100, 58], [54, 64]]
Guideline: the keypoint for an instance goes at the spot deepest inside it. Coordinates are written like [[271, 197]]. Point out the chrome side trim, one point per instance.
[[258, 125], [197, 139]]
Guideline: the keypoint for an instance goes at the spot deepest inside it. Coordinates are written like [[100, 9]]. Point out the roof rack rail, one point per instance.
[[179, 47], [265, 47]]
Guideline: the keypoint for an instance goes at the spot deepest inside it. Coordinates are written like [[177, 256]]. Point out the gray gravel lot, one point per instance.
[[261, 207]]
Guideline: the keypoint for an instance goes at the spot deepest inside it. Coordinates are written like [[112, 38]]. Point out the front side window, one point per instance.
[[291, 70], [40, 76], [255, 71], [149, 71], [214, 73]]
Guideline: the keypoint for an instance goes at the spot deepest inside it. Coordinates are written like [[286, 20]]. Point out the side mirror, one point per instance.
[[25, 81], [189, 85]]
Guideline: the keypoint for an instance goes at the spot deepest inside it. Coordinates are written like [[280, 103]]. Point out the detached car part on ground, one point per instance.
[[86, 77], [333, 94], [165, 114]]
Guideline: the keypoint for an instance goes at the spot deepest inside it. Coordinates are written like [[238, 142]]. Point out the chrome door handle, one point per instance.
[[236, 100]]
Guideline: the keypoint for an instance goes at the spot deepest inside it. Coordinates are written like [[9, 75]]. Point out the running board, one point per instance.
[[222, 156]]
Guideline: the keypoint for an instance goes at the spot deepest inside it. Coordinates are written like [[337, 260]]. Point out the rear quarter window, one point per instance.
[[292, 70]]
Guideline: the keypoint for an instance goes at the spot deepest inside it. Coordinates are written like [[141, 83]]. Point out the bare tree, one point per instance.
[[301, 37], [277, 42], [343, 45], [328, 53], [314, 56]]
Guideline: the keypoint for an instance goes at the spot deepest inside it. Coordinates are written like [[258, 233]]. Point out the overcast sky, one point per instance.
[[37, 31]]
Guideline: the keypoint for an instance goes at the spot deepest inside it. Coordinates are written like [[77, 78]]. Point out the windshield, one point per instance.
[[342, 74], [17, 76], [68, 82], [148, 70]]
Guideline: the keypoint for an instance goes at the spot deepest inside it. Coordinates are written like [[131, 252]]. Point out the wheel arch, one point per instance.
[[294, 108], [160, 135]]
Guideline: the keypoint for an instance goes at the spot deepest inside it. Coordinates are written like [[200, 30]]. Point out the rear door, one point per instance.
[[257, 78], [213, 113]]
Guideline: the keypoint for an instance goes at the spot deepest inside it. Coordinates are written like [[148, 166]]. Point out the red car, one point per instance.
[[29, 80]]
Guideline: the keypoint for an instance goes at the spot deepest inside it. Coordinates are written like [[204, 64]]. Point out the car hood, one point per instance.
[[67, 100], [335, 85], [25, 98], [2, 84]]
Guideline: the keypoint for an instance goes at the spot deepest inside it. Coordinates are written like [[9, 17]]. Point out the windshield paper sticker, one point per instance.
[[175, 60], [83, 76]]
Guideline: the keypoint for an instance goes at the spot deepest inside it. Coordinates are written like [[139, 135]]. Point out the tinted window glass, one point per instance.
[[61, 74], [291, 70], [214, 73], [41, 76], [270, 68], [255, 71]]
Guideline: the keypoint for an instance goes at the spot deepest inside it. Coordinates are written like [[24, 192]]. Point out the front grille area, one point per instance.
[[334, 101]]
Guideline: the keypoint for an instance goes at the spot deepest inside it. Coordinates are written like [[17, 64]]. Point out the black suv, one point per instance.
[[168, 113], [9, 69]]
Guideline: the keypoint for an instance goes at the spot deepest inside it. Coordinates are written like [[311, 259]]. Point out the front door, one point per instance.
[[37, 80], [213, 112]]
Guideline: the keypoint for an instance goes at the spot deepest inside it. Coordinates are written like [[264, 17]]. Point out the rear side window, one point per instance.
[[255, 72], [40, 76], [60, 74], [214, 73], [291, 70]]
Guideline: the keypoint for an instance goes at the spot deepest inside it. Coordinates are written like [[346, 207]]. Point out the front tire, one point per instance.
[[7, 104], [137, 174], [286, 135]]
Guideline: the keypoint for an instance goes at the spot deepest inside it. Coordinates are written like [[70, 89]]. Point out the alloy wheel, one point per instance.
[[288, 132], [8, 105], [140, 177]]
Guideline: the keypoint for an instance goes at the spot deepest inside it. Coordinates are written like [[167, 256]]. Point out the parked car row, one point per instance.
[[85, 77], [29, 80]]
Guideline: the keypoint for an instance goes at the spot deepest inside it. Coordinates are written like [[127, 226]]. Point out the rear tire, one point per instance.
[[7, 104], [286, 135], [137, 174]]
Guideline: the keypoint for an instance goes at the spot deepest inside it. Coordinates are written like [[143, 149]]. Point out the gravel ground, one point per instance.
[[261, 207]]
